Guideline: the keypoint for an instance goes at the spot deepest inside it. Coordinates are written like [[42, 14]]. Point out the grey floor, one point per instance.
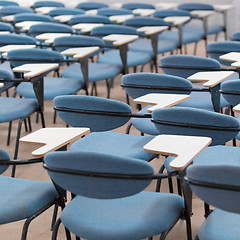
[[40, 227]]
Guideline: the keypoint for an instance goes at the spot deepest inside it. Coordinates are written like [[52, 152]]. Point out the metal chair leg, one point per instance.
[[54, 217], [9, 133]]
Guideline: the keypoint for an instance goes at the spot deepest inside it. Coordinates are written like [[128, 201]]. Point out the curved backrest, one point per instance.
[[236, 36], [12, 10], [195, 6], [6, 39], [216, 49], [113, 11], [186, 65], [89, 19], [63, 43], [99, 116], [6, 73], [171, 12], [137, 5], [145, 21], [8, 3], [91, 5], [6, 27], [47, 4], [23, 56], [231, 91], [49, 28], [3, 156], [96, 163], [65, 11], [196, 122], [139, 84], [31, 17], [217, 185]]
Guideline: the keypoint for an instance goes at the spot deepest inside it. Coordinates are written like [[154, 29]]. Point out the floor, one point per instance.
[[40, 227]]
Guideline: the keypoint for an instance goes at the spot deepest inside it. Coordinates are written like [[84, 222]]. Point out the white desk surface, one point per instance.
[[63, 18], [165, 5], [44, 10], [222, 7], [53, 138], [10, 47], [202, 13], [144, 12], [8, 18], [120, 39], [92, 12], [116, 5], [35, 69], [176, 20], [86, 27], [211, 78], [25, 25], [120, 18], [4, 32], [79, 52], [184, 148], [49, 37], [150, 30], [232, 57], [1, 85], [237, 108], [161, 100]]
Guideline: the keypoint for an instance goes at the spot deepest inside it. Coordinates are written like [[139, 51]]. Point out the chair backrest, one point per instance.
[[6, 27], [98, 114], [38, 4], [231, 91], [236, 36], [65, 11], [91, 5], [8, 3], [145, 21], [195, 6], [31, 17], [217, 185], [84, 168], [12, 10], [171, 12], [216, 49], [6, 39], [63, 43], [89, 19], [186, 65], [6, 73], [49, 28], [137, 5], [113, 11], [24, 56], [196, 122], [139, 84], [3, 157]]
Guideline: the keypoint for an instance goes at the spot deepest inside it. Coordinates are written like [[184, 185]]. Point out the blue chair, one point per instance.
[[96, 71], [218, 186], [107, 11], [38, 4], [101, 116], [184, 66], [236, 36], [8, 3], [6, 27], [120, 56], [23, 199], [111, 203], [89, 19], [31, 17], [136, 5], [180, 34], [91, 5], [65, 11], [12, 10]]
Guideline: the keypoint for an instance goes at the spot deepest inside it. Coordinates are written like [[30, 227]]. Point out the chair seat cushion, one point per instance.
[[212, 28], [21, 198], [144, 45], [52, 87], [96, 71], [115, 143], [220, 225], [16, 108], [136, 217], [133, 58]]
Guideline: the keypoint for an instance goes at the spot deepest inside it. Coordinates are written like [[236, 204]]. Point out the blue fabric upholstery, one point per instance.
[[135, 5], [8, 3], [89, 19], [31, 17], [12, 10], [113, 11], [92, 162], [65, 11], [6, 73], [38, 4], [195, 6], [231, 86], [216, 49], [136, 217], [91, 5], [22, 198], [96, 71], [15, 108], [6, 27], [171, 12], [53, 86], [118, 144], [145, 21], [16, 39], [236, 36], [4, 156]]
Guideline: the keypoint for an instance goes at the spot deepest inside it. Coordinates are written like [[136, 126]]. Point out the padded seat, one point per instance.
[[96, 71], [16, 108], [22, 198], [119, 144], [52, 87], [81, 213]]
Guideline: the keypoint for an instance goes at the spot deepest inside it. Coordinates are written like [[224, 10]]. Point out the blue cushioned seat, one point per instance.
[[65, 11], [8, 3], [116, 218], [12, 10], [137, 5], [91, 5], [31, 17], [38, 4]]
